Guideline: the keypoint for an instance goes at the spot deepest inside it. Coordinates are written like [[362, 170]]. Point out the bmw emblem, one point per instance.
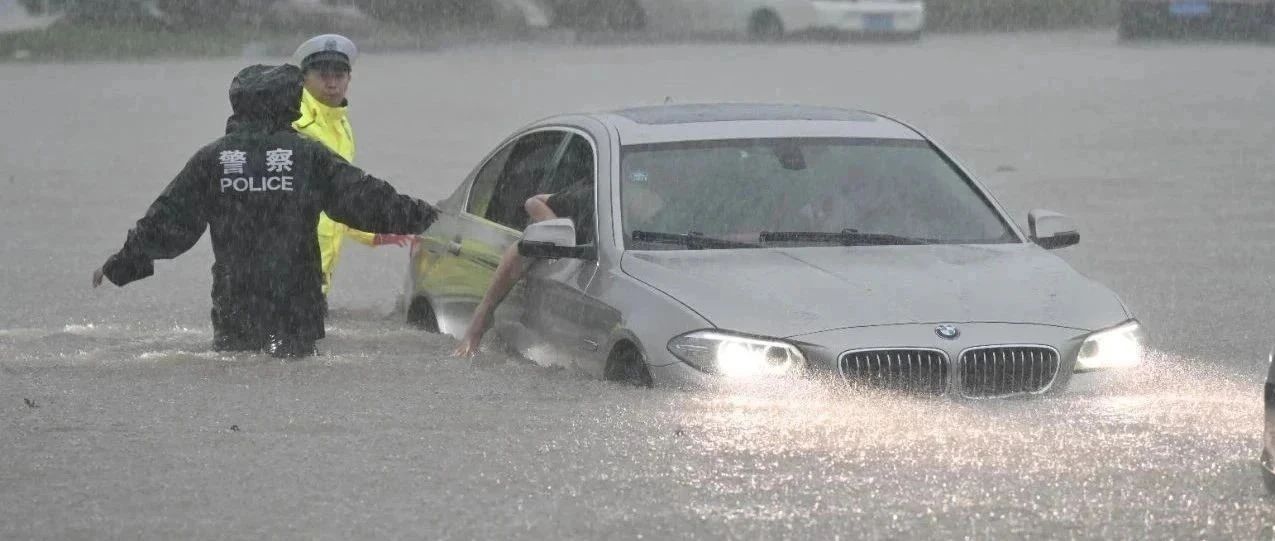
[[949, 332]]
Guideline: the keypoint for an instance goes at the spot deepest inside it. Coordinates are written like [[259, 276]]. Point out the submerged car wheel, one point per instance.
[[628, 365], [765, 26], [421, 315]]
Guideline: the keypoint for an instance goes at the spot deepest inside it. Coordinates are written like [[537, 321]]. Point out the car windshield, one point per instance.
[[799, 192]]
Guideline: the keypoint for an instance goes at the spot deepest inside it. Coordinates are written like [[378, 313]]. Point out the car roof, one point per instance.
[[717, 121]]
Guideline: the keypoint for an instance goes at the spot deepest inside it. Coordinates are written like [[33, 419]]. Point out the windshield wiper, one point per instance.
[[845, 237], [692, 240]]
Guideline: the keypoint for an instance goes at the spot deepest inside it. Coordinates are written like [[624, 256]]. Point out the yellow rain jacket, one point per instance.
[[330, 126]]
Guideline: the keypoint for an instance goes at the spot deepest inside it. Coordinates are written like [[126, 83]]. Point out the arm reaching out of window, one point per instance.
[[508, 272]]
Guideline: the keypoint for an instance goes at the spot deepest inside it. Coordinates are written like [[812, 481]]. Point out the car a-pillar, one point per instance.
[[626, 364]]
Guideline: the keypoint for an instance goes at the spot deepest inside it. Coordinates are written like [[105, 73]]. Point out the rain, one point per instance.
[[119, 420]]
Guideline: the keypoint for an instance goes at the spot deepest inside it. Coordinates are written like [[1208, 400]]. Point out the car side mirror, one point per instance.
[[1052, 230], [553, 239]]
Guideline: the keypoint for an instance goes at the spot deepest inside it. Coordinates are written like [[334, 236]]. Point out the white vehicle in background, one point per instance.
[[756, 19]]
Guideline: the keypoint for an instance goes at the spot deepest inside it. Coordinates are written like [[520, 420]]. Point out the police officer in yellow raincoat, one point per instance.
[[326, 62]]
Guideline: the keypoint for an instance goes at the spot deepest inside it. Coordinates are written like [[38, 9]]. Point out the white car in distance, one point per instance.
[[755, 19]]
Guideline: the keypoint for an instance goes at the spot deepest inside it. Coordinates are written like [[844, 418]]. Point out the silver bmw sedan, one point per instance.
[[730, 242]]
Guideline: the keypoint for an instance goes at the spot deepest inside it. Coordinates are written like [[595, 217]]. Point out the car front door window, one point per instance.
[[529, 162]]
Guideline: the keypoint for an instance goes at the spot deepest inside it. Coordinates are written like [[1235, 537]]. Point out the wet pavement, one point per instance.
[[117, 421]]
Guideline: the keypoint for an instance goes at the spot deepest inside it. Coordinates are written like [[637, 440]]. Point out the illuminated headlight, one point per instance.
[[1117, 347], [736, 355]]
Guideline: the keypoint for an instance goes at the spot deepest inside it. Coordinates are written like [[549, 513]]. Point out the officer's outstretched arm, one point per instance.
[[364, 202], [172, 225]]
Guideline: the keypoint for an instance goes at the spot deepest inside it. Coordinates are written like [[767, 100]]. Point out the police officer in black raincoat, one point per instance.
[[259, 190]]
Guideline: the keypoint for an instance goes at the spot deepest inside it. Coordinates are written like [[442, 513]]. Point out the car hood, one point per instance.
[[794, 291]]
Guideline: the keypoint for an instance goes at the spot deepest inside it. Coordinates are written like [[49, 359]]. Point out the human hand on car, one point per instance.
[[398, 240]]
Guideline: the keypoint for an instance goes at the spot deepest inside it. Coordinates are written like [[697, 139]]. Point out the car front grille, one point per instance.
[[1007, 370], [912, 370]]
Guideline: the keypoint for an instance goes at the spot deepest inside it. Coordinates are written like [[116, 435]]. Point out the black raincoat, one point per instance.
[[259, 191]]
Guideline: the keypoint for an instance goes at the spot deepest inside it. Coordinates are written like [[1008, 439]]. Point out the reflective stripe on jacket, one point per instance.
[[330, 126]]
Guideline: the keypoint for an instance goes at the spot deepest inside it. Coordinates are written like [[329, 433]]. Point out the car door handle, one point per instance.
[[453, 247]]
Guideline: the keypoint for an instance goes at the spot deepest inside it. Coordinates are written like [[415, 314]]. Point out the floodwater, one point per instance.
[[116, 420]]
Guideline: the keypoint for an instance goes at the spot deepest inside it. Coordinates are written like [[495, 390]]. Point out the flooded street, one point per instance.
[[117, 421]]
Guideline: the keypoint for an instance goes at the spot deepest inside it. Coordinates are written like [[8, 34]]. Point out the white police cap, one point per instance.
[[326, 48]]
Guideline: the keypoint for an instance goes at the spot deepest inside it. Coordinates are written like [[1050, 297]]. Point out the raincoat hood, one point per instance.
[[265, 97]]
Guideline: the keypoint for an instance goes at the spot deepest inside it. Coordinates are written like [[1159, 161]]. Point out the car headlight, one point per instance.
[[736, 355], [1118, 347]]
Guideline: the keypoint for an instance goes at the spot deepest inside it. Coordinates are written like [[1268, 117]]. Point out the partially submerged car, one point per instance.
[[1249, 19], [755, 241], [757, 19]]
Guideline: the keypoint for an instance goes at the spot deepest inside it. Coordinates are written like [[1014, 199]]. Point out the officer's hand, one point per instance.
[[397, 240], [97, 277]]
